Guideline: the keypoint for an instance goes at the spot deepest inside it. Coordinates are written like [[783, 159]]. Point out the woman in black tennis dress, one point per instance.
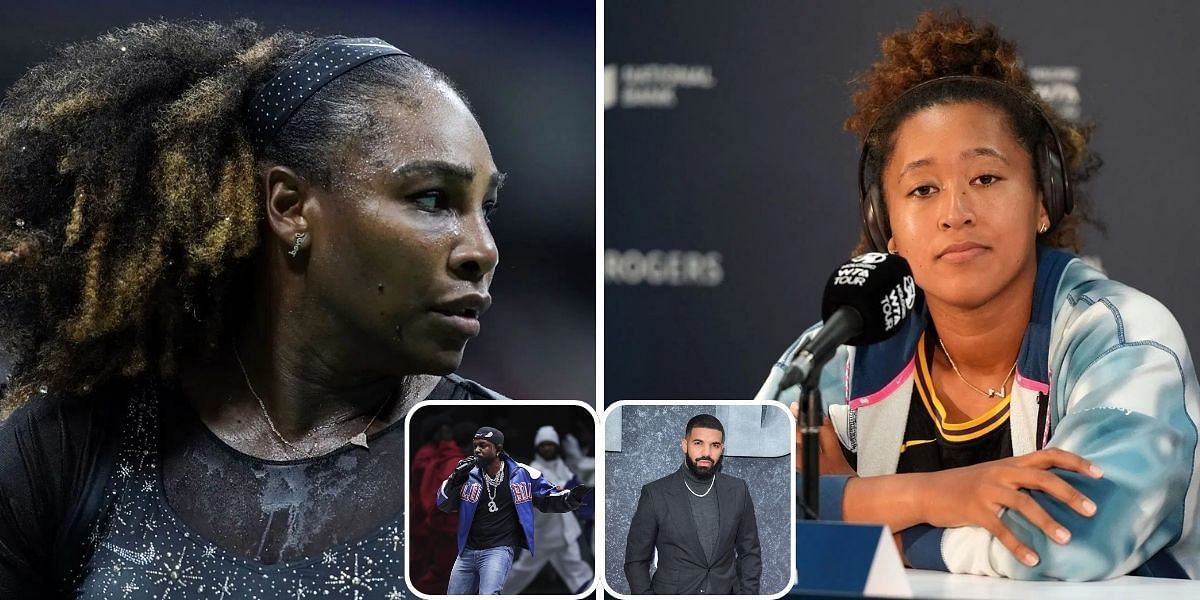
[[229, 263]]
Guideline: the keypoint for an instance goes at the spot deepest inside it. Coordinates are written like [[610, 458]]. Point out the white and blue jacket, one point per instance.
[[529, 489], [1104, 372]]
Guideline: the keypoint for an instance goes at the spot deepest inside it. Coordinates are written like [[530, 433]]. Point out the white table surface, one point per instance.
[[936, 584]]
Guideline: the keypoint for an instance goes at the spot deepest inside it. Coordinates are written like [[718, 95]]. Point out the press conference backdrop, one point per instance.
[[730, 187], [528, 69]]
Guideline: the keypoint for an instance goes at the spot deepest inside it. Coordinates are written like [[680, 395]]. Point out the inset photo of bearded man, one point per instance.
[[698, 498]]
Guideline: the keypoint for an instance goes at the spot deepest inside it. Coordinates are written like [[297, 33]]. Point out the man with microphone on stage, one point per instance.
[[489, 534]]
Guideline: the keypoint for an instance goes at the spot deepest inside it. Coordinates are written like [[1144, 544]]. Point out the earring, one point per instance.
[[1044, 228], [300, 237]]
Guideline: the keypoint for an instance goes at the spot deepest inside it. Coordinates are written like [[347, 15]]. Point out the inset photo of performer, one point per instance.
[[499, 493], [698, 498]]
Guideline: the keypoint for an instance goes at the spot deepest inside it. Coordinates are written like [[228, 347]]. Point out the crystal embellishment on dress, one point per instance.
[[141, 550]]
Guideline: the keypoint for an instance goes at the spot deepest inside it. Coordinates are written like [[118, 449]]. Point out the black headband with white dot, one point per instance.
[[301, 77]]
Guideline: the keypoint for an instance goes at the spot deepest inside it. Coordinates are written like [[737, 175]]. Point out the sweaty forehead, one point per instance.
[[430, 125], [437, 125]]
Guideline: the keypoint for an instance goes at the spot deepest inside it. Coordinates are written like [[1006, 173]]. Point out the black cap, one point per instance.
[[491, 434]]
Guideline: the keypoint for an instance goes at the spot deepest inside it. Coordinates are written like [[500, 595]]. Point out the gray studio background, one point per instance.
[[730, 187], [529, 71], [641, 445]]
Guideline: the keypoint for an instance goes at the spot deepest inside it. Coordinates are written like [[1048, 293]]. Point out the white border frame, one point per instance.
[[601, 472], [597, 563]]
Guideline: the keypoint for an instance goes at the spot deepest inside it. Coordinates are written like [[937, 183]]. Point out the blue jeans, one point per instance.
[[483, 570]]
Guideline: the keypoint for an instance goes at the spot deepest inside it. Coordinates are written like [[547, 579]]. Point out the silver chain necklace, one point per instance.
[[493, 486], [710, 486], [991, 393], [358, 440]]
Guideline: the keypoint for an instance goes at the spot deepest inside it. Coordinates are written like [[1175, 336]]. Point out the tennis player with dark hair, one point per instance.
[[230, 261], [495, 497], [699, 520], [1033, 419]]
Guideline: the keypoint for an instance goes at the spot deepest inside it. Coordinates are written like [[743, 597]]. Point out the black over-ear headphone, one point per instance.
[[1048, 156]]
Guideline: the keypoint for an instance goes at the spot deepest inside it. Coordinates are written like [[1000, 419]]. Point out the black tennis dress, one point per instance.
[[134, 498]]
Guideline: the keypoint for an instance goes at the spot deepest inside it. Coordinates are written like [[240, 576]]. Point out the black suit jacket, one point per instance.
[[664, 521]]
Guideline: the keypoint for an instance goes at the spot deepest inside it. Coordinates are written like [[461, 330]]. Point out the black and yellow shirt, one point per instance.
[[933, 444]]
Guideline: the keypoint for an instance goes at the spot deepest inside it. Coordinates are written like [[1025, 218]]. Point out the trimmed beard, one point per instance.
[[706, 473]]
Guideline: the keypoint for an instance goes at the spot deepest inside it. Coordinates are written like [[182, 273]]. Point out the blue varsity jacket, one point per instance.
[[1103, 371], [529, 490]]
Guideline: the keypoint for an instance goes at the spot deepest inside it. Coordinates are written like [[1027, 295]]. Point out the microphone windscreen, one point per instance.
[[880, 287]]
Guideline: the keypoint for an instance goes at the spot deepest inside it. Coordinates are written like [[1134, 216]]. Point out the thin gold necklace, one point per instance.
[[991, 393], [358, 440]]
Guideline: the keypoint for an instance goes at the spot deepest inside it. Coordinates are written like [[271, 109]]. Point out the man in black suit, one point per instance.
[[700, 520]]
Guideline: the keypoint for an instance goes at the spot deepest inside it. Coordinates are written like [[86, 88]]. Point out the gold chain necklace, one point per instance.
[[358, 440], [991, 393]]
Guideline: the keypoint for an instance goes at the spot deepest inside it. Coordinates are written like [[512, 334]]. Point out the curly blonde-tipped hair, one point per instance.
[[947, 43], [129, 206]]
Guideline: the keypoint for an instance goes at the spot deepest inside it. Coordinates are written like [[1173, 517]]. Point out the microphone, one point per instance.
[[866, 301]]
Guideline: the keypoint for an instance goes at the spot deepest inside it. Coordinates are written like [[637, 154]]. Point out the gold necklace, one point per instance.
[[358, 440], [991, 393]]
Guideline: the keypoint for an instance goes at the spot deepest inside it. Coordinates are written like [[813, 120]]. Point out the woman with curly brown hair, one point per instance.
[[1033, 419], [229, 264]]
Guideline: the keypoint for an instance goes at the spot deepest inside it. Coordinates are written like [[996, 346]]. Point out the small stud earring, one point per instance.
[[300, 237], [1044, 228]]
